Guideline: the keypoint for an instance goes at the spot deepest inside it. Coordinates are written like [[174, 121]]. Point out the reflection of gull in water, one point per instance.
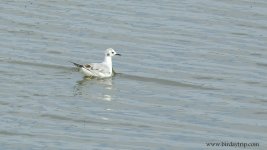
[[97, 90], [87, 81], [107, 97], [105, 81], [99, 70]]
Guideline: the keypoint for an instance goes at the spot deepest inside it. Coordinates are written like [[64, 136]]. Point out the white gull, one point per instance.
[[99, 70]]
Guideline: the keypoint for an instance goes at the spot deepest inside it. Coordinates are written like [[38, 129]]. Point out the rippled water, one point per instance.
[[192, 72]]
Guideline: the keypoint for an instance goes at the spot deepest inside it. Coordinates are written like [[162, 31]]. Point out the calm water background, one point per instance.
[[192, 72]]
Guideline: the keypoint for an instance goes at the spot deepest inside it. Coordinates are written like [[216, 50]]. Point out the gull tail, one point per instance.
[[77, 65]]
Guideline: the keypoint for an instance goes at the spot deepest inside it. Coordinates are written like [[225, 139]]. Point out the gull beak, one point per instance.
[[118, 54]]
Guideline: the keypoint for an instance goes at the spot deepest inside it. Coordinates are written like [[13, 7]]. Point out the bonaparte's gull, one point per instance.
[[99, 70]]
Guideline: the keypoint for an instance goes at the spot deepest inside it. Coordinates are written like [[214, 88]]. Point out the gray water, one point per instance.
[[191, 72]]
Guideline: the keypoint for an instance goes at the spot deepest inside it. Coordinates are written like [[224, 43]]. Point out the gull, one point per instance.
[[99, 70]]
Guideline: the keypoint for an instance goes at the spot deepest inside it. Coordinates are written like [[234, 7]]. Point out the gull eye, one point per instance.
[[112, 52]]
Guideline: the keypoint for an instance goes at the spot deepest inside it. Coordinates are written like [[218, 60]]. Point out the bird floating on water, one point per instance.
[[99, 70]]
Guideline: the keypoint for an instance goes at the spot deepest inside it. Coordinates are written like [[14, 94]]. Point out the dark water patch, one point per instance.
[[54, 52], [165, 82], [9, 133], [262, 64], [37, 64]]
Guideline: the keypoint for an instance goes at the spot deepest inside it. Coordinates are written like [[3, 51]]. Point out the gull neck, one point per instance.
[[108, 61]]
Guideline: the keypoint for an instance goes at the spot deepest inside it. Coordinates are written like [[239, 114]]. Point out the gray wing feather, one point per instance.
[[98, 67]]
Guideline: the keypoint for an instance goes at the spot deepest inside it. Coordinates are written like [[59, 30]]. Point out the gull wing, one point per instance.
[[97, 69]]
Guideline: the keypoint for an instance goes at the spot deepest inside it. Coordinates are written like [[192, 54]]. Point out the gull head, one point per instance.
[[111, 52]]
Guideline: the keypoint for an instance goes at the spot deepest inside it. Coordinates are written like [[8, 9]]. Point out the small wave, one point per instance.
[[37, 64], [165, 82]]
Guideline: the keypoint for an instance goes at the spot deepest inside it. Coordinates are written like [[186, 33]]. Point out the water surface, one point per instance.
[[192, 72]]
